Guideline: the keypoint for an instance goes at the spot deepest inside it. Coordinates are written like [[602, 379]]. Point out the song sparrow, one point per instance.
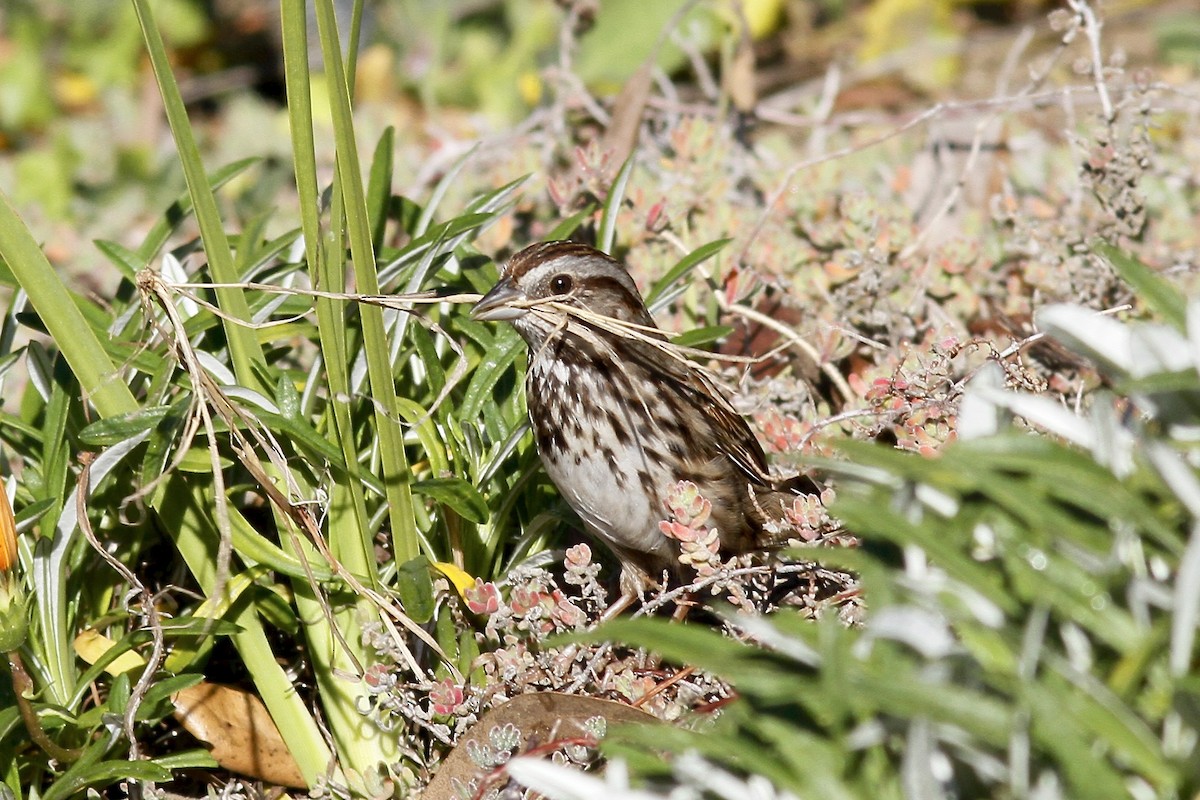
[[618, 421]]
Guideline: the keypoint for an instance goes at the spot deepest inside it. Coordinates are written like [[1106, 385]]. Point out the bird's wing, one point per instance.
[[734, 437]]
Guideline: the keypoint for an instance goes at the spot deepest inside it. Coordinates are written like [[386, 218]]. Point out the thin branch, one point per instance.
[[1091, 29]]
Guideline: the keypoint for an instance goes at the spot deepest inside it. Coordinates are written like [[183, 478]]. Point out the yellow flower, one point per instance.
[[13, 621]]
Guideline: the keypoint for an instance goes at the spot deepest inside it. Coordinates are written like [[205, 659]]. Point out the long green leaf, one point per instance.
[[396, 475], [606, 235], [188, 521], [243, 343], [685, 266], [1163, 298], [100, 381], [181, 209]]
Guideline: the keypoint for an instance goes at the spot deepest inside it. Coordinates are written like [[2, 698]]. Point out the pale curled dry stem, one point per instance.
[[207, 393], [152, 292], [552, 310], [794, 339], [402, 302], [137, 694]]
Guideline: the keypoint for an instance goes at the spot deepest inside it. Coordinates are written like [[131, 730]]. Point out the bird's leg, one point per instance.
[[634, 582]]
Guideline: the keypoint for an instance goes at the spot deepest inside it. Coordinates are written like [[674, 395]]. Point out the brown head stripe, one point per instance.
[[542, 252]]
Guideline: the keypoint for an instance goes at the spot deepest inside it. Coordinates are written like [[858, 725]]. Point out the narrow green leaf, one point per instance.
[[679, 643], [414, 584], [487, 375], [423, 425], [397, 479], [456, 493], [568, 226], [121, 257], [468, 655], [684, 267], [325, 255], [257, 549], [34, 511], [1159, 294], [411, 255], [197, 758], [243, 346], [179, 211], [439, 192], [430, 360], [7, 278], [118, 694], [163, 441], [120, 428], [1057, 729], [287, 398], [100, 381], [379, 186], [1108, 717], [187, 518], [82, 775], [248, 241], [702, 336], [180, 627], [606, 235], [1185, 382], [159, 695]]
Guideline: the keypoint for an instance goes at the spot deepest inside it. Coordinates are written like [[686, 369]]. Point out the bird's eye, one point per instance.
[[560, 284]]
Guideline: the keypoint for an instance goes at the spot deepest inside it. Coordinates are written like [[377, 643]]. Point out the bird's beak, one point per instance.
[[494, 307]]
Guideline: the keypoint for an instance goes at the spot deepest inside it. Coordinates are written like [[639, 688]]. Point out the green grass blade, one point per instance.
[[379, 186], [606, 236], [438, 193], [181, 209], [330, 313], [243, 343], [360, 748], [683, 268], [1163, 298], [185, 514], [396, 475], [98, 378]]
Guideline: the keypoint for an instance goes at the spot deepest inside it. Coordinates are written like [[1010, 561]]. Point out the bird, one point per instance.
[[619, 418]]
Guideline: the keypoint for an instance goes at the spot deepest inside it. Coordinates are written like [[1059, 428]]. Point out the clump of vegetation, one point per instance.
[[273, 454]]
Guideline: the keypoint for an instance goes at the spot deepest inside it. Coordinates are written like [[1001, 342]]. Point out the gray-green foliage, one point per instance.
[[1033, 599]]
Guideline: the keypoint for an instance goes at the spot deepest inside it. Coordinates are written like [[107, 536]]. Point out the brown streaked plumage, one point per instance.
[[618, 421]]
